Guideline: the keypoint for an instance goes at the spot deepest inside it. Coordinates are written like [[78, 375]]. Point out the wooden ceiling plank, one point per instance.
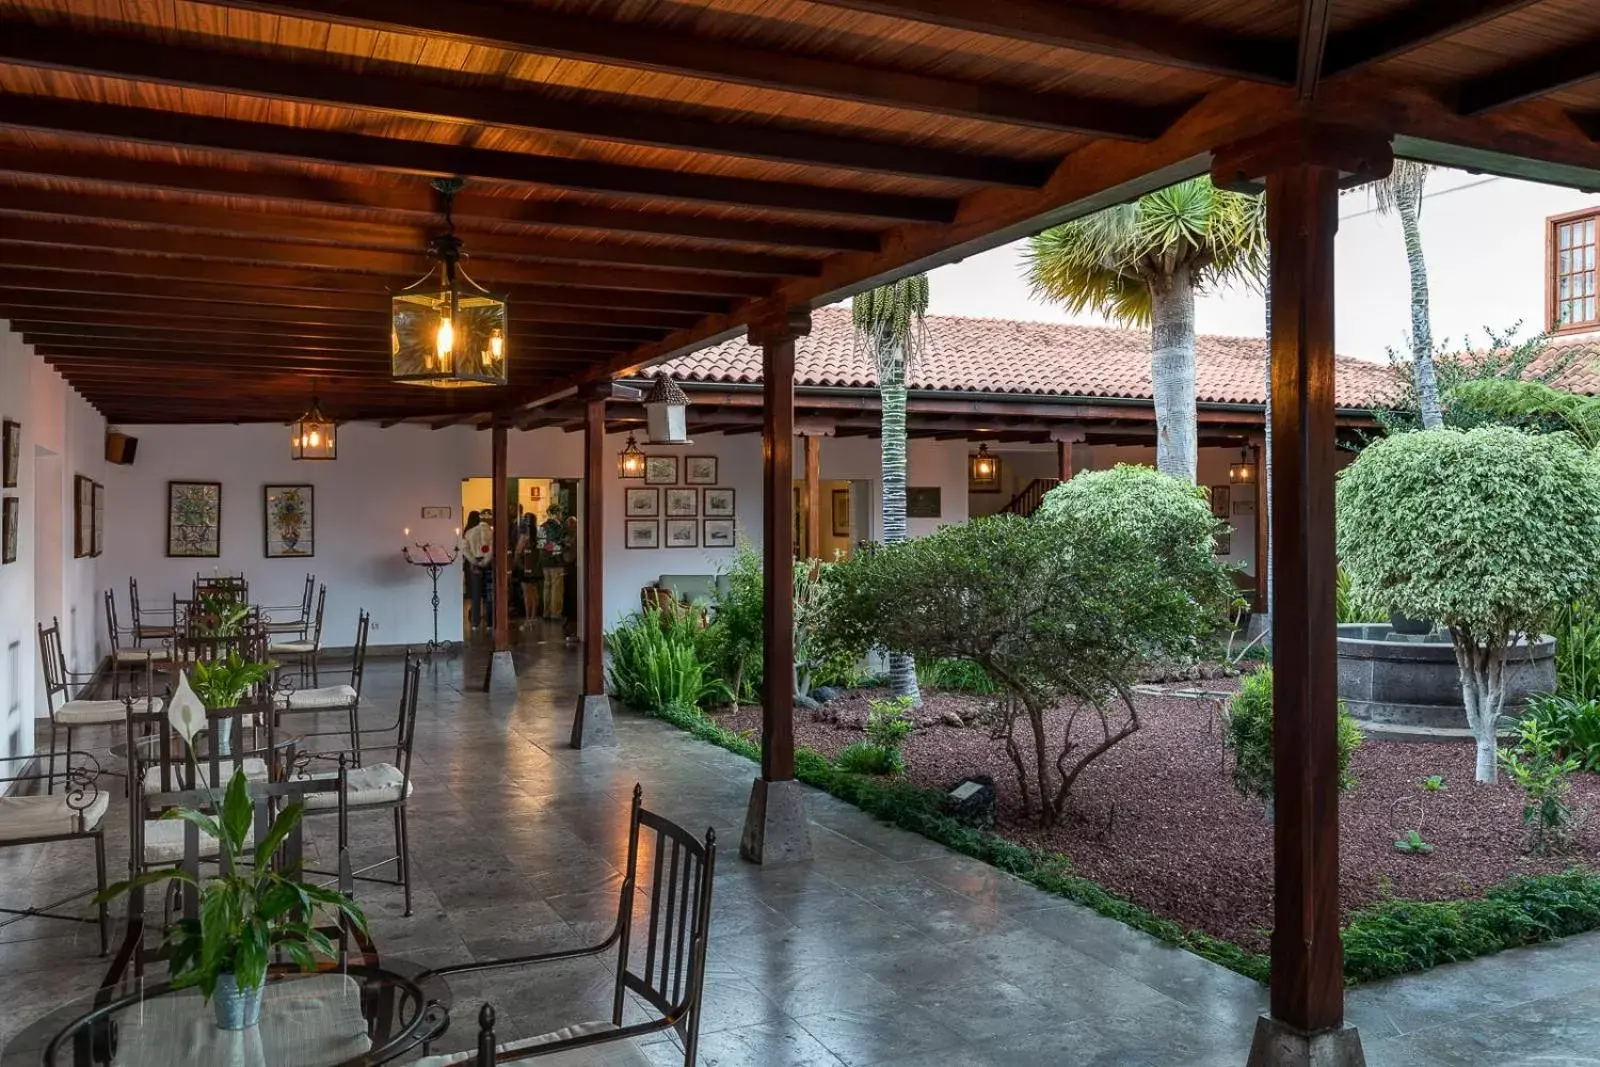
[[393, 89], [616, 43], [1542, 75], [1101, 30], [1315, 16], [149, 126], [85, 208], [79, 322], [473, 209], [1406, 29]]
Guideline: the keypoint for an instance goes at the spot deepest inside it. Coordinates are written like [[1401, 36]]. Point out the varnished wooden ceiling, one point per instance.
[[203, 205]]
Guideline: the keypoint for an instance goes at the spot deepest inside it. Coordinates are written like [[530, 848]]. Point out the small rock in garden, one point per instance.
[[950, 718], [824, 693], [972, 801]]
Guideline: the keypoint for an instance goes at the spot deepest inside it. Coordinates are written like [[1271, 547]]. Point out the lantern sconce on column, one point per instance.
[[666, 413]]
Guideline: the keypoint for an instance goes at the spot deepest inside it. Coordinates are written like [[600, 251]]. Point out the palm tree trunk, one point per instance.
[[1408, 201], [892, 389], [1172, 373]]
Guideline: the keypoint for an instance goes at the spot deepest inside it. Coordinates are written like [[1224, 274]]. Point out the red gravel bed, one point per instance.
[[1157, 818]]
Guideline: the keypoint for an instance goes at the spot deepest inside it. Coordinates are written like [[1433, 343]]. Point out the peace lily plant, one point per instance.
[[249, 909]]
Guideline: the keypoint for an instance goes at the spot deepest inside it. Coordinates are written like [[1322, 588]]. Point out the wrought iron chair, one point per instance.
[[144, 630], [78, 814], [673, 974], [68, 712], [129, 656], [332, 699], [387, 786], [300, 621], [306, 650], [235, 586]]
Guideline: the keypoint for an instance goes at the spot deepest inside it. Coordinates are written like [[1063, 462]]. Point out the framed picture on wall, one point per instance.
[[682, 503], [8, 529], [642, 503], [97, 539], [642, 533], [1224, 542], [700, 470], [841, 512], [289, 521], [661, 470], [194, 519], [10, 453], [82, 516], [683, 533], [719, 533], [1221, 501], [719, 503], [924, 502]]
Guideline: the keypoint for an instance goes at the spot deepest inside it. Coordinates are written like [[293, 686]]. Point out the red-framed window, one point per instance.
[[1574, 298]]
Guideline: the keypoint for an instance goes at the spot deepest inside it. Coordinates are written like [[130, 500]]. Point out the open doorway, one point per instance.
[[545, 543], [845, 519]]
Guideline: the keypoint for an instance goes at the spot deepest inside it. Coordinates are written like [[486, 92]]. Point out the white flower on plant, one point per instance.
[[186, 713]]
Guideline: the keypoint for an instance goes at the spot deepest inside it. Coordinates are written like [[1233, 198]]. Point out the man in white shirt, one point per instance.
[[477, 548]]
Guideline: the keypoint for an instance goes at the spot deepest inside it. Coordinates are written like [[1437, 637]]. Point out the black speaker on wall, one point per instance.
[[120, 448]]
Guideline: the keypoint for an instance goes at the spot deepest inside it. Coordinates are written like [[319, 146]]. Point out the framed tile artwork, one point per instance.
[[841, 512], [97, 530], [661, 470], [641, 503], [683, 533], [682, 503], [1221, 501], [10, 453], [719, 533], [9, 512], [194, 519], [289, 521], [82, 516], [924, 502], [700, 470], [642, 533], [719, 503]]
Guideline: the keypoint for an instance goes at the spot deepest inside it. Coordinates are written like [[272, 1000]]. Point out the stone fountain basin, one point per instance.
[[1409, 688]]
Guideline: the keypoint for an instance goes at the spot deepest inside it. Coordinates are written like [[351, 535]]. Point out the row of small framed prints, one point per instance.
[[680, 533], [679, 503]]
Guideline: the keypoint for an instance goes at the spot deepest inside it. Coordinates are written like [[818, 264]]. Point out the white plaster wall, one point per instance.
[[928, 462]]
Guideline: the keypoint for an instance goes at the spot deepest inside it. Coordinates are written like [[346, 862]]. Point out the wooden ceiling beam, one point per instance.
[[613, 42], [405, 267], [1406, 29], [269, 345], [1311, 46], [1101, 30], [209, 354], [177, 129], [89, 209], [84, 323], [395, 89], [1530, 79], [474, 209]]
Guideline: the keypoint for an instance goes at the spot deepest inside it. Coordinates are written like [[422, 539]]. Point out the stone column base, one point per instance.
[[775, 829], [1277, 1044], [500, 674], [591, 725]]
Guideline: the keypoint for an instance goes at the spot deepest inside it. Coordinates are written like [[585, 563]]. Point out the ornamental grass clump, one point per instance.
[[1489, 532]]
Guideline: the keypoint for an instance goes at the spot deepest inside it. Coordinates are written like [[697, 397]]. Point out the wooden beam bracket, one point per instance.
[[1359, 155]]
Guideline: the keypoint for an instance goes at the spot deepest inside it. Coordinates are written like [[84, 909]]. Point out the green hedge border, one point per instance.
[[1392, 938]]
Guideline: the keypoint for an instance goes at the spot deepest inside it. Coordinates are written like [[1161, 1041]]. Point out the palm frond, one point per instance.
[[1404, 182], [890, 320], [1533, 402]]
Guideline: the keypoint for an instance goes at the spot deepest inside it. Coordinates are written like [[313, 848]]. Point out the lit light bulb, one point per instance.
[[314, 439], [445, 340], [497, 345], [408, 531]]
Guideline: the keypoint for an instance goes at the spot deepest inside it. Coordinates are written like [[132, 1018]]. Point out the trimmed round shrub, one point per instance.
[[1248, 734]]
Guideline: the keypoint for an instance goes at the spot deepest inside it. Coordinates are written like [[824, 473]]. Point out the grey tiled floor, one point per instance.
[[887, 950]]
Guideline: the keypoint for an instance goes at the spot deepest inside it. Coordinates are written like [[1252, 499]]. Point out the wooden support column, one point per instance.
[[592, 724], [775, 826], [1263, 606], [1303, 165], [500, 674], [1065, 437], [813, 545]]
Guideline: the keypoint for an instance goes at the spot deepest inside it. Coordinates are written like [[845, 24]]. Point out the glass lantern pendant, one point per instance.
[[1243, 471], [630, 461], [983, 469], [446, 330], [313, 436]]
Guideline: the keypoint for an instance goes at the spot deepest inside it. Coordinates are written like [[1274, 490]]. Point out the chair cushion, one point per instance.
[[288, 626], [292, 648], [163, 841], [566, 1033], [376, 783], [46, 816], [329, 696], [255, 770], [99, 712], [133, 655]]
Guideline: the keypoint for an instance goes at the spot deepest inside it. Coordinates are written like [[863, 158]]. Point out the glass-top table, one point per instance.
[[358, 1017]]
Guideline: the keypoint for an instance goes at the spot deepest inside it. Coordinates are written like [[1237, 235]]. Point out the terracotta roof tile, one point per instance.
[[1010, 356]]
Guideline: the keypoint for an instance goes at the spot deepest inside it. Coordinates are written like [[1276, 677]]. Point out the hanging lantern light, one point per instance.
[[313, 436], [446, 330], [666, 412], [630, 461], [1243, 471], [984, 469]]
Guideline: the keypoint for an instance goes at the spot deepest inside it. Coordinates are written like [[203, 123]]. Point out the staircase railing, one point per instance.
[[1028, 500]]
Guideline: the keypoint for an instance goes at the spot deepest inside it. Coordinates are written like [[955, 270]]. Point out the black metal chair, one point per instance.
[[295, 619], [673, 974], [307, 649], [122, 656], [68, 712], [232, 586], [78, 814], [144, 630], [332, 699]]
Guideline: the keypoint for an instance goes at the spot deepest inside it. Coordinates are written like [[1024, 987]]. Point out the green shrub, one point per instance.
[[962, 675], [655, 664], [864, 757], [1545, 778], [889, 723], [731, 644], [1571, 725], [1248, 733], [1577, 634], [1348, 607]]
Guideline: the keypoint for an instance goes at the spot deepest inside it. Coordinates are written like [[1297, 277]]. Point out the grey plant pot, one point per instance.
[[1402, 624], [236, 1009]]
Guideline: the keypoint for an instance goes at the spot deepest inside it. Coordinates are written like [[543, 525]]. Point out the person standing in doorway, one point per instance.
[[569, 556], [530, 566], [478, 550], [469, 588], [555, 565]]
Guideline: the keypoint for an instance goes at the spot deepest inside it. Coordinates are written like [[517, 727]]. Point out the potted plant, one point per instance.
[[249, 909], [221, 683]]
